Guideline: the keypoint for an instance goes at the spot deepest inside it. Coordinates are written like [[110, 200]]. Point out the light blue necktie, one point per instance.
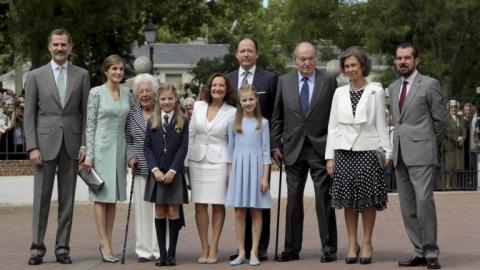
[[304, 94], [61, 85]]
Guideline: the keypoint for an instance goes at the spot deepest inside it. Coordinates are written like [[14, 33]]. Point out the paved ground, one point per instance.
[[458, 238]]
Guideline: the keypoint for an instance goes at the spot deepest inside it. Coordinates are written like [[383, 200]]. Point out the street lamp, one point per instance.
[[150, 32]]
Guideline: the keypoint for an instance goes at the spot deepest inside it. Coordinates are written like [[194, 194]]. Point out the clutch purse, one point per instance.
[[380, 153], [92, 179]]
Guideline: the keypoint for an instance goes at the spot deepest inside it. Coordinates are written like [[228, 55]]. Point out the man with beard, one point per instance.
[[55, 113], [419, 115]]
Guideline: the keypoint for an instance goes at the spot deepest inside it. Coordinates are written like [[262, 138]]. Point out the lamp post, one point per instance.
[[150, 32]]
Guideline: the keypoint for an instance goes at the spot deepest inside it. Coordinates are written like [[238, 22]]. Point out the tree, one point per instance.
[[446, 32], [95, 34], [228, 22]]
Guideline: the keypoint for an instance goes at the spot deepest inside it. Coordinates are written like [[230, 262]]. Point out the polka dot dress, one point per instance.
[[358, 179]]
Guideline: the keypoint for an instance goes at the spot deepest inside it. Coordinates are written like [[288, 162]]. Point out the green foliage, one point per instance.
[[446, 32]]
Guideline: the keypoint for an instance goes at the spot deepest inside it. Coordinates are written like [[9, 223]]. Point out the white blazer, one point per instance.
[[209, 139], [365, 131]]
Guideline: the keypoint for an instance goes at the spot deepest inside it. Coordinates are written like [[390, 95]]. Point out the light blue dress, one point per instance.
[[248, 152], [105, 136]]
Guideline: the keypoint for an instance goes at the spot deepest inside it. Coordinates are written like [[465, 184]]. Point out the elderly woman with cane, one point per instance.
[[145, 88]]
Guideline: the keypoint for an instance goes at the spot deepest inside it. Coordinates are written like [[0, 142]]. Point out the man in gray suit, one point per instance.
[[419, 115], [266, 84], [299, 134], [55, 113]]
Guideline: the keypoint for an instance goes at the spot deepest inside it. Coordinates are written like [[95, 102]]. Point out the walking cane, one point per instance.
[[128, 217], [278, 209]]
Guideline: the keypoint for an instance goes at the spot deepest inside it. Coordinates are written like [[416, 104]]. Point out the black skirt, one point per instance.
[[161, 193], [358, 181]]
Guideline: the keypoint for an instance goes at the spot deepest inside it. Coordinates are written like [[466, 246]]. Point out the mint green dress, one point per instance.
[[105, 136]]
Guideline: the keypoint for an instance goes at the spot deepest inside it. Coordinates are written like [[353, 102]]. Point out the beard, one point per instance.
[[405, 71], [60, 56]]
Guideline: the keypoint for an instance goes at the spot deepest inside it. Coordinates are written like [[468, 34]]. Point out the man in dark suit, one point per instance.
[[55, 113], [299, 134], [420, 118], [266, 83]]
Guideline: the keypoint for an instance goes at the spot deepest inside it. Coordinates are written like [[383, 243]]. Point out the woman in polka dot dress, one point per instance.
[[356, 130]]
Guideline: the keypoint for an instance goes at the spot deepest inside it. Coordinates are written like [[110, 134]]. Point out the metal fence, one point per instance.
[[444, 180]]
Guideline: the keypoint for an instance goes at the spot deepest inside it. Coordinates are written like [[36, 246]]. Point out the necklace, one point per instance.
[[359, 88]]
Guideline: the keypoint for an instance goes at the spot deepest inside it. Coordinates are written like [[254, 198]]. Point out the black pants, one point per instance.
[[309, 161]]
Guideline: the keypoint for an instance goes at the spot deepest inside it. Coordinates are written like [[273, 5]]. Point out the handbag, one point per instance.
[[380, 153], [92, 179]]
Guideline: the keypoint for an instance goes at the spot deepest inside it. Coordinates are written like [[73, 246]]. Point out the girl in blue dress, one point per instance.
[[248, 165], [165, 148]]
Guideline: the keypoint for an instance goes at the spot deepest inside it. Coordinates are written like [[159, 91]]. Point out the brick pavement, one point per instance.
[[458, 230]]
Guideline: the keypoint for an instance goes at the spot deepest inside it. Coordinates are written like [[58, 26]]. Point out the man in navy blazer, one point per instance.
[[266, 84], [299, 134]]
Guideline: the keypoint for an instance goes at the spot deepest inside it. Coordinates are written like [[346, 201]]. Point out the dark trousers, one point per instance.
[[309, 160], [42, 194]]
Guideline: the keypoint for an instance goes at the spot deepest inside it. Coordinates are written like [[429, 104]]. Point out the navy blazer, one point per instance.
[[266, 84], [168, 153]]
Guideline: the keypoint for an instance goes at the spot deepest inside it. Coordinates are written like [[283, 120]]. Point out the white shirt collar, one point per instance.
[[311, 78], [170, 115], [251, 70], [55, 66]]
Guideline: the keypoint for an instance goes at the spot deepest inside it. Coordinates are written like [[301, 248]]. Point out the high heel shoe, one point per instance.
[[214, 259], [107, 260], [366, 260], [353, 260]]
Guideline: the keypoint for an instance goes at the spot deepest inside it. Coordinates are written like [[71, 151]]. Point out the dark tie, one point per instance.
[[245, 77], [304, 95], [165, 123], [403, 94]]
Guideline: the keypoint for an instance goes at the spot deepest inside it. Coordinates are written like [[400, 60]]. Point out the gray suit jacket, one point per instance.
[[47, 124], [290, 126], [422, 122]]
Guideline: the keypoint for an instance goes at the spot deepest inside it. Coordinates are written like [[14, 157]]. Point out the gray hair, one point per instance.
[[302, 44], [188, 99], [145, 77]]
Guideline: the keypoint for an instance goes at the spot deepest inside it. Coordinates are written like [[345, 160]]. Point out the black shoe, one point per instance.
[[35, 260], [366, 260], [64, 259], [412, 262], [287, 256], [262, 255], [351, 260], [160, 262], [432, 263], [328, 257], [142, 259], [170, 261]]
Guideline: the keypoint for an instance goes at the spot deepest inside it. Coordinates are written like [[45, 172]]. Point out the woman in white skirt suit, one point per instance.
[[207, 160]]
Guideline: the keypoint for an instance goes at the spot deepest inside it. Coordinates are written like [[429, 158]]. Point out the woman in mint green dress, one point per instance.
[[108, 107]]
